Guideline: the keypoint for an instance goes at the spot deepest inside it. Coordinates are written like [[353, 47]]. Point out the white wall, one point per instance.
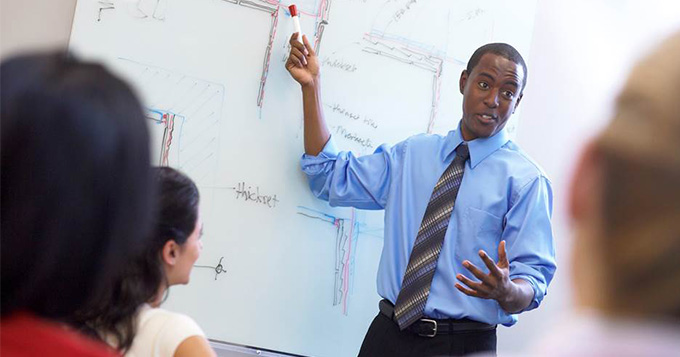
[[580, 55], [34, 24]]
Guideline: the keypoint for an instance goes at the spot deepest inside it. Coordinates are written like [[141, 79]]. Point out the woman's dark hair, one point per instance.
[[76, 186], [113, 315]]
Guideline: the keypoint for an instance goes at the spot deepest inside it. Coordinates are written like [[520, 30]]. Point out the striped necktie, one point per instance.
[[415, 287]]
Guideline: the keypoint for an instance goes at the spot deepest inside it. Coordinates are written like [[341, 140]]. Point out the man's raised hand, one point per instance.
[[303, 64]]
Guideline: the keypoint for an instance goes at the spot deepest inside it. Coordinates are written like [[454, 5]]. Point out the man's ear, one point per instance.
[[521, 95], [462, 81], [584, 193], [170, 252]]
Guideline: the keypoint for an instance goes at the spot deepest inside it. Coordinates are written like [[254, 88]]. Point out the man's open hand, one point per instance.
[[495, 285]]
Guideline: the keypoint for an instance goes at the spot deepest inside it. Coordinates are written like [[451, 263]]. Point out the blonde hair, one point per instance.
[[640, 152]]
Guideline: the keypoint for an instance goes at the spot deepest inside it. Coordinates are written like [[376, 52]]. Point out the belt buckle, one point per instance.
[[434, 328]]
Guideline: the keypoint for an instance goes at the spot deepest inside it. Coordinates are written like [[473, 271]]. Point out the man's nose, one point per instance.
[[491, 99]]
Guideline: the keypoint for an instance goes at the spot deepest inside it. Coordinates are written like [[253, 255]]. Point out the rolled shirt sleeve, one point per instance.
[[529, 237], [343, 179]]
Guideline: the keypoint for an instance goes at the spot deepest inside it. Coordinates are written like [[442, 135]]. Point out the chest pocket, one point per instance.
[[484, 233]]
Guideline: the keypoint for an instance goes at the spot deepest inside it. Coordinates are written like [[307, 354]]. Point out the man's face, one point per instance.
[[490, 95]]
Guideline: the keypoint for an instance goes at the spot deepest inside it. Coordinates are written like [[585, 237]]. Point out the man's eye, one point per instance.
[[483, 85], [508, 94]]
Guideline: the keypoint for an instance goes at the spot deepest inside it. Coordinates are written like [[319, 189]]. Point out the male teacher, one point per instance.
[[468, 239]]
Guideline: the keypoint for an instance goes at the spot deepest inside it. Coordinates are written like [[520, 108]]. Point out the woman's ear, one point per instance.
[[170, 252]]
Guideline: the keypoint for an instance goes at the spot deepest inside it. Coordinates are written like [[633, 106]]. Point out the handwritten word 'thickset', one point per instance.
[[248, 194]]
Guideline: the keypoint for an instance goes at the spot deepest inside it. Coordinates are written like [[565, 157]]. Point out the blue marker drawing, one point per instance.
[[346, 237]]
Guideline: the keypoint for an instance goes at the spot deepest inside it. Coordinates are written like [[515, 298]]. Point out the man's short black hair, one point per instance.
[[501, 49]]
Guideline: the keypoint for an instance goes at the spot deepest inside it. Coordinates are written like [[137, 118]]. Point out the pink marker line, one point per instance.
[[346, 267], [169, 120]]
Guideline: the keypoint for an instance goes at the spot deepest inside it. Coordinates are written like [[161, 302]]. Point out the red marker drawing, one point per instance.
[[296, 21]]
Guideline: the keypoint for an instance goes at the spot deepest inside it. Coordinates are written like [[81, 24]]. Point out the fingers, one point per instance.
[[468, 292], [298, 52], [294, 60], [304, 47], [471, 284], [294, 43], [308, 46], [502, 255], [476, 272], [299, 56], [493, 268]]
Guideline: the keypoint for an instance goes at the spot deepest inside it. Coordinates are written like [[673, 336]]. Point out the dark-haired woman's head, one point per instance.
[[179, 228], [167, 259], [76, 185]]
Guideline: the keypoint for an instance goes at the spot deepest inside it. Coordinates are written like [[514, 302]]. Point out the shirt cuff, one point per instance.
[[329, 150], [314, 165], [538, 294]]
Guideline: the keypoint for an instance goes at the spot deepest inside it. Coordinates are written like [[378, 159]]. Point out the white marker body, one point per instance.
[[296, 24]]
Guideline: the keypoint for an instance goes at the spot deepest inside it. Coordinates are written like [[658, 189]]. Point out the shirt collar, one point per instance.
[[480, 148]]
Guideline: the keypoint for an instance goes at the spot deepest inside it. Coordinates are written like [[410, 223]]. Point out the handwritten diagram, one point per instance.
[[318, 10], [140, 9], [347, 233], [434, 38], [218, 269], [163, 127], [185, 114], [381, 44]]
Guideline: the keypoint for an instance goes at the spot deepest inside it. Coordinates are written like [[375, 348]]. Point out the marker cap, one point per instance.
[[293, 10]]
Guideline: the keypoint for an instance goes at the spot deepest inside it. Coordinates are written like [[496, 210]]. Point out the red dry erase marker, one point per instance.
[[296, 21]]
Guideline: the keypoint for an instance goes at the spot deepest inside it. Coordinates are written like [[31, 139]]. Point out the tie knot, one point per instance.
[[463, 151]]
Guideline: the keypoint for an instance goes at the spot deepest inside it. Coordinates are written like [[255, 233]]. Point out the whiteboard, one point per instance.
[[280, 269]]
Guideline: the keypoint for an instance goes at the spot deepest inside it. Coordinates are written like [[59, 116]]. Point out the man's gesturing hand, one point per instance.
[[512, 295]]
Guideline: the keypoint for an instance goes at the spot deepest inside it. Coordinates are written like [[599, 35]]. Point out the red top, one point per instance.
[[293, 10], [23, 334]]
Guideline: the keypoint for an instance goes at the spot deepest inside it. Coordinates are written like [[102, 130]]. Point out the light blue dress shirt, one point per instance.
[[504, 196]]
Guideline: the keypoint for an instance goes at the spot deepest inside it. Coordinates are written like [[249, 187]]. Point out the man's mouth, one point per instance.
[[487, 118]]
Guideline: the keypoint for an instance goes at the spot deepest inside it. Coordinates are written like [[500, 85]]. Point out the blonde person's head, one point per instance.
[[635, 254]]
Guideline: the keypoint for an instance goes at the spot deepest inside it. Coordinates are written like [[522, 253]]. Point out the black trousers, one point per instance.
[[385, 339]]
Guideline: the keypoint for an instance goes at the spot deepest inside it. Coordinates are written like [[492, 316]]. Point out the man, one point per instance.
[[455, 206], [625, 210]]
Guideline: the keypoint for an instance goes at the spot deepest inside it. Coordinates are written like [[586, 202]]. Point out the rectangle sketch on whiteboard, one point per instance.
[[185, 115]]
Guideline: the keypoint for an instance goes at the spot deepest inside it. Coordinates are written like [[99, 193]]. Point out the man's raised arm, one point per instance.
[[303, 65]]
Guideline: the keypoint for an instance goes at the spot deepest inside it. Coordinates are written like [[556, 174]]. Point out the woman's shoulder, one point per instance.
[[161, 331], [161, 319]]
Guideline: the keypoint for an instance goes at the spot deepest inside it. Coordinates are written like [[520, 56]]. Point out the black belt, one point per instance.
[[430, 327]]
